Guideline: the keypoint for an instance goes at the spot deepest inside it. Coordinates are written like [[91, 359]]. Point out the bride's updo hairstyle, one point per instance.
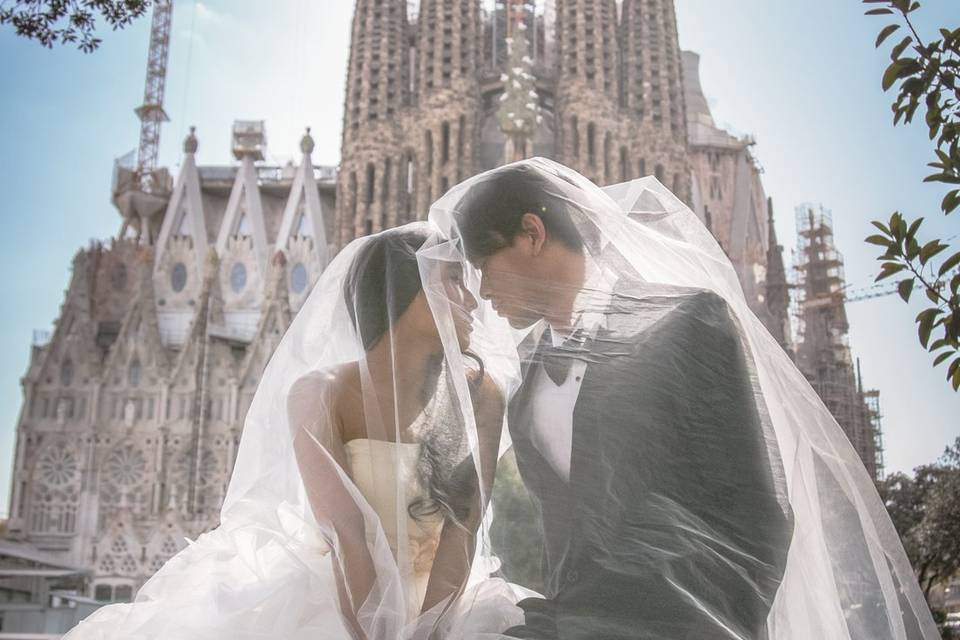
[[382, 282], [490, 212]]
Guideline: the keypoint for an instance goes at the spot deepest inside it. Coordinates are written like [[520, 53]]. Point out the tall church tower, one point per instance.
[[652, 94], [422, 96], [370, 191]]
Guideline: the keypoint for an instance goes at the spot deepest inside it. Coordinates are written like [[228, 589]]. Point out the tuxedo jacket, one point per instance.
[[670, 525]]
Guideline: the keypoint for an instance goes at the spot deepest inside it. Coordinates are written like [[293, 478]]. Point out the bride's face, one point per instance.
[[462, 306]]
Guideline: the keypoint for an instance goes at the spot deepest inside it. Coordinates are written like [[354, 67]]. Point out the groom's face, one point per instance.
[[509, 281]]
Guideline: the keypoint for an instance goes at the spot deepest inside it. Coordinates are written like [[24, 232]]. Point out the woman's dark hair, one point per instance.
[[489, 214], [382, 282], [383, 279]]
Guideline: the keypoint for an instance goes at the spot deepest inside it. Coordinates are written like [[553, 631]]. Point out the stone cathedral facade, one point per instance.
[[134, 405]]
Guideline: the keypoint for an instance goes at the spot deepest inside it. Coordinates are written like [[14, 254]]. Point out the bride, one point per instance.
[[387, 422]]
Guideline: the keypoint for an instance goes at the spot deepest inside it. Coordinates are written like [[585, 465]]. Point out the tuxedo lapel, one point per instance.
[[527, 351], [585, 440]]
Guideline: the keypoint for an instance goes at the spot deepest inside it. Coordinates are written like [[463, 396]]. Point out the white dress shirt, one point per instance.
[[552, 405]]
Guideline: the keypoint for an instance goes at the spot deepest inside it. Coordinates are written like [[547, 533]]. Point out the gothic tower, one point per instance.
[[447, 98], [378, 87], [652, 94], [422, 95]]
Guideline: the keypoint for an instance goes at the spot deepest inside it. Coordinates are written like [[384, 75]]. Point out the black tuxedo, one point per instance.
[[670, 521]]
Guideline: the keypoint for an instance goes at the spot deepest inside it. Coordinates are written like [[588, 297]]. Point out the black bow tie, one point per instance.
[[556, 361]]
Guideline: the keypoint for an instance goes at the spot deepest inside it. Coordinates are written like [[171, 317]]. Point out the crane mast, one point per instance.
[[141, 190], [151, 112]]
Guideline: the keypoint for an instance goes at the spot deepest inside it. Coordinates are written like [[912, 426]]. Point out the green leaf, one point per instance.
[[897, 50], [950, 201], [889, 269], [949, 264], [913, 248], [943, 356], [931, 249], [943, 177], [885, 33], [881, 226], [878, 240], [925, 321], [905, 288], [878, 12], [913, 227], [890, 75], [953, 368]]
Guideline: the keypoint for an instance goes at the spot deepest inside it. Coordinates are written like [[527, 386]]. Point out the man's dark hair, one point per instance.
[[489, 214]]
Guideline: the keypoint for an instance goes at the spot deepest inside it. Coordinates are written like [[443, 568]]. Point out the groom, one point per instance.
[[635, 430]]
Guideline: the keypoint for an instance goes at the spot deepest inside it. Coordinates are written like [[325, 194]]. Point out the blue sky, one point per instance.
[[802, 78]]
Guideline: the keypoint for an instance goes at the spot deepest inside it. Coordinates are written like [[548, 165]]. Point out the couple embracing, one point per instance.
[[684, 479]]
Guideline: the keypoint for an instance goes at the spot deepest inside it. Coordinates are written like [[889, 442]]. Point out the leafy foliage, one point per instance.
[[925, 510], [52, 22], [925, 74], [515, 532]]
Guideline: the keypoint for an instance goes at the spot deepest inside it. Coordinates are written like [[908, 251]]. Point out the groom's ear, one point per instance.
[[532, 233]]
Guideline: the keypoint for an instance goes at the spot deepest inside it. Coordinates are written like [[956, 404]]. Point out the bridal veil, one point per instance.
[[367, 469]]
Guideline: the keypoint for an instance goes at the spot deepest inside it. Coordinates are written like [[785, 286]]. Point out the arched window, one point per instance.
[[133, 373], [592, 144], [428, 149], [659, 173], [353, 194], [445, 143], [607, 157], [385, 187], [624, 165], [575, 136], [66, 372], [371, 177], [411, 182]]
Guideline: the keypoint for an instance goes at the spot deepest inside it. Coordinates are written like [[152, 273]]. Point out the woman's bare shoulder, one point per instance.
[[330, 385]]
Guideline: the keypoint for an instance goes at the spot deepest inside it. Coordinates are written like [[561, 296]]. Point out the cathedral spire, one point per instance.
[[184, 217], [587, 44], [244, 215], [303, 214], [651, 64], [777, 288]]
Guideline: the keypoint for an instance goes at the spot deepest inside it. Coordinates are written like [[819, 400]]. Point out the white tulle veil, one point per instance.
[[345, 489]]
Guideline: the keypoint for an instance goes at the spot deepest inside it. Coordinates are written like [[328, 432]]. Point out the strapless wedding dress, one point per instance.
[[377, 467]]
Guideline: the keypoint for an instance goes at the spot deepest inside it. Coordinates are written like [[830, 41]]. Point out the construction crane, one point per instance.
[[880, 289], [141, 190]]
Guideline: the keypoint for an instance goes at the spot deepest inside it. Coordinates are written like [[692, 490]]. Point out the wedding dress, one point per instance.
[[373, 466]]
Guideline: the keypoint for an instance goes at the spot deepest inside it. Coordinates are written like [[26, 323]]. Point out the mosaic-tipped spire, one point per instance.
[[190, 142]]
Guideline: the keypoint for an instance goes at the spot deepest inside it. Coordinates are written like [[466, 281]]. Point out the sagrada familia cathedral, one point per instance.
[[133, 406]]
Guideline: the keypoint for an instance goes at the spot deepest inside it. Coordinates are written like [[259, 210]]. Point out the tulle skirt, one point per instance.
[[250, 583]]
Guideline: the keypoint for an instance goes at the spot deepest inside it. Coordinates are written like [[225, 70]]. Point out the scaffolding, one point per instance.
[[872, 401], [823, 349]]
